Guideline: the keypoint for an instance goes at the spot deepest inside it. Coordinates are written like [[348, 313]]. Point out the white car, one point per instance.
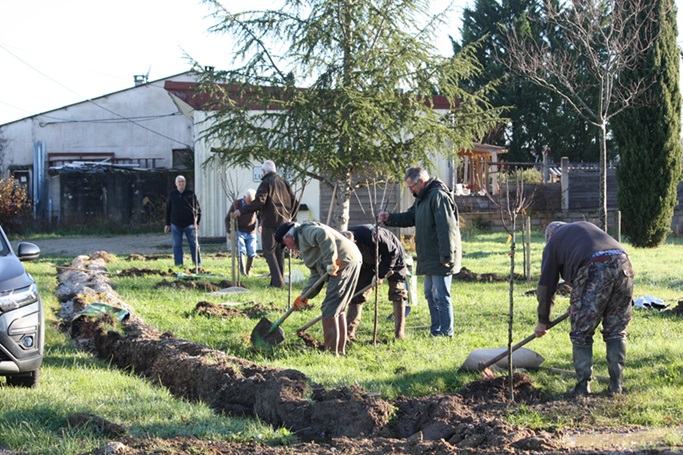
[[22, 320]]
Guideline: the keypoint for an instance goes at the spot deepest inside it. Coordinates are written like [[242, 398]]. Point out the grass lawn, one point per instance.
[[73, 381]]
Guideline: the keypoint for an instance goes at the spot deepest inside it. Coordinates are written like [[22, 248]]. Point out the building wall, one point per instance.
[[214, 184], [141, 122]]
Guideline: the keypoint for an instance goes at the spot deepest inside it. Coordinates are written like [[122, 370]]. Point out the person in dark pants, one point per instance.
[[601, 276], [277, 203], [246, 231], [391, 265], [437, 243], [183, 215]]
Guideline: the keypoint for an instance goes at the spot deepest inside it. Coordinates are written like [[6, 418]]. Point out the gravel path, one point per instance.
[[126, 244]]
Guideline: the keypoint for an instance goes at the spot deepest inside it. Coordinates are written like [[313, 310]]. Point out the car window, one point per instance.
[[4, 247]]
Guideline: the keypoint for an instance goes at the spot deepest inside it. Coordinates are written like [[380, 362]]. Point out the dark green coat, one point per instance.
[[437, 233]]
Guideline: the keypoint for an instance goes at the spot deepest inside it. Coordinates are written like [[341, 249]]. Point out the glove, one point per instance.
[[299, 303], [332, 269], [375, 282]]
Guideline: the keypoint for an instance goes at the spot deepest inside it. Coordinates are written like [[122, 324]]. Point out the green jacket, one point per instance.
[[437, 231], [320, 246]]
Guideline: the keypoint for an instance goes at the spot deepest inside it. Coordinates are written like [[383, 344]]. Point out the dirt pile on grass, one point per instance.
[[353, 420], [469, 276]]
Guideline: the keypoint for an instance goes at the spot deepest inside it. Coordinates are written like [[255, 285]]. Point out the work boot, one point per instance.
[[241, 261], [341, 330], [247, 268], [330, 334], [353, 318], [583, 365], [616, 356], [399, 319]]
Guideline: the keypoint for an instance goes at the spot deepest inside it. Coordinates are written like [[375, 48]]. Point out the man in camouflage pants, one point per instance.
[[601, 277]]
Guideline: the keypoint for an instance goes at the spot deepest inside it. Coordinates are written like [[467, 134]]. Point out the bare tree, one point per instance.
[[510, 205], [232, 188], [593, 43]]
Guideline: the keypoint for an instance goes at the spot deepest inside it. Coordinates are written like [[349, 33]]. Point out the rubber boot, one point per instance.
[[399, 319], [247, 268], [241, 261], [616, 356], [353, 318], [583, 365], [330, 334], [341, 330]]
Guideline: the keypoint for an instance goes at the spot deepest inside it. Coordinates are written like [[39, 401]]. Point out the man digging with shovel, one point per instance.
[[601, 277], [324, 250]]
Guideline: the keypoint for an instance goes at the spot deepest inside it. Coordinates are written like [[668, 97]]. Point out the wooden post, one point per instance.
[[527, 248], [564, 179]]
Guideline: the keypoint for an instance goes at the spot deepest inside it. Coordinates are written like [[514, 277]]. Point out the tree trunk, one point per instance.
[[341, 203], [603, 175]]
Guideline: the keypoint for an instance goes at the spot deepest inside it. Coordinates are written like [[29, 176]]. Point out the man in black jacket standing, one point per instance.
[[182, 218], [277, 203], [390, 265]]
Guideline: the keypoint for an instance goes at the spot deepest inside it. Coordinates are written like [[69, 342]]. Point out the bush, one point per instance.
[[14, 202], [530, 175]]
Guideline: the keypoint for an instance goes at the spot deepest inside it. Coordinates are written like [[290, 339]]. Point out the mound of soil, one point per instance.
[[148, 257], [467, 275], [191, 284], [350, 420], [135, 271], [221, 311]]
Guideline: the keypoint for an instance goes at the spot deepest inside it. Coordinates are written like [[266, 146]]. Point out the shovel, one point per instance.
[[267, 334], [483, 366], [310, 324]]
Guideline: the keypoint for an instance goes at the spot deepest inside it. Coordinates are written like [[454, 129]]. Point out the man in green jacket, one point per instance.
[[324, 250], [437, 243]]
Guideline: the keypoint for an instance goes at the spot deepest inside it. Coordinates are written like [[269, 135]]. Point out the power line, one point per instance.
[[89, 100]]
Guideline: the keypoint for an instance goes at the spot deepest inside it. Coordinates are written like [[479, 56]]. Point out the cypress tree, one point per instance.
[[648, 137]]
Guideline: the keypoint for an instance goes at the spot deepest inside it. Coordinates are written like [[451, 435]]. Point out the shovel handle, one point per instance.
[[500, 356], [310, 324], [292, 308]]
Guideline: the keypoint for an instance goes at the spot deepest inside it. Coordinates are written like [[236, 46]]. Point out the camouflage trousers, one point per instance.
[[601, 292]]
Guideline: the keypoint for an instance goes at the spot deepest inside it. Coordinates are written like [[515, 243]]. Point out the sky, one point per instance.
[[54, 53]]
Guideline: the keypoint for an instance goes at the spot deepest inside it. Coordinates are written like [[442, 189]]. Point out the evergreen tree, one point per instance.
[[649, 139], [538, 120], [331, 90]]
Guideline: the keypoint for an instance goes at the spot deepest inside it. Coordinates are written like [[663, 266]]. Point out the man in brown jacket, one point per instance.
[[277, 203]]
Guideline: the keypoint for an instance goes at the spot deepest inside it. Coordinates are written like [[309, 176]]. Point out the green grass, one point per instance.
[[73, 381]]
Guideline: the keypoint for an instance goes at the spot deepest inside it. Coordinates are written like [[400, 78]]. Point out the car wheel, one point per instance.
[[29, 379]]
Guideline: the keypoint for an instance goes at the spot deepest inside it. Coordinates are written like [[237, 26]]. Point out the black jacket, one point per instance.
[[181, 208], [391, 252]]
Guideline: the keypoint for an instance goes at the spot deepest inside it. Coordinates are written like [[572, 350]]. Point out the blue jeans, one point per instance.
[[247, 244], [437, 290], [177, 242]]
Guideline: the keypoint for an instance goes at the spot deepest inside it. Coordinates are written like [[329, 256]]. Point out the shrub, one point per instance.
[[14, 202]]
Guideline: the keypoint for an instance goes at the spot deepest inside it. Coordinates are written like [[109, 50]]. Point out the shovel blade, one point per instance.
[[264, 334]]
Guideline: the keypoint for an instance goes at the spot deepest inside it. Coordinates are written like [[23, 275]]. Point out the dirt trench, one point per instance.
[[287, 397]]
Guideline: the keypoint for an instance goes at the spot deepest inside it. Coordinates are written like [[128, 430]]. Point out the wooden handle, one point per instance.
[[522, 343]]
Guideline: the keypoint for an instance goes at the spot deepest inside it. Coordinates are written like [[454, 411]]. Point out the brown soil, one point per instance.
[[343, 420], [257, 310], [469, 276], [134, 272], [191, 284]]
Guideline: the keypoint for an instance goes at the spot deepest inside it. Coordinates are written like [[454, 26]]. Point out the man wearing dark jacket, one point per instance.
[[601, 276], [437, 243], [182, 218], [277, 203], [391, 265]]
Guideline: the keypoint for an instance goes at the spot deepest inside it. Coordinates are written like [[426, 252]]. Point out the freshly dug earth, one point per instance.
[[347, 419]]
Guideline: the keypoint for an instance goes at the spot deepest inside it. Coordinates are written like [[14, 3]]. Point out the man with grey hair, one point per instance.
[[601, 276], [277, 204], [246, 231], [182, 218], [437, 243]]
